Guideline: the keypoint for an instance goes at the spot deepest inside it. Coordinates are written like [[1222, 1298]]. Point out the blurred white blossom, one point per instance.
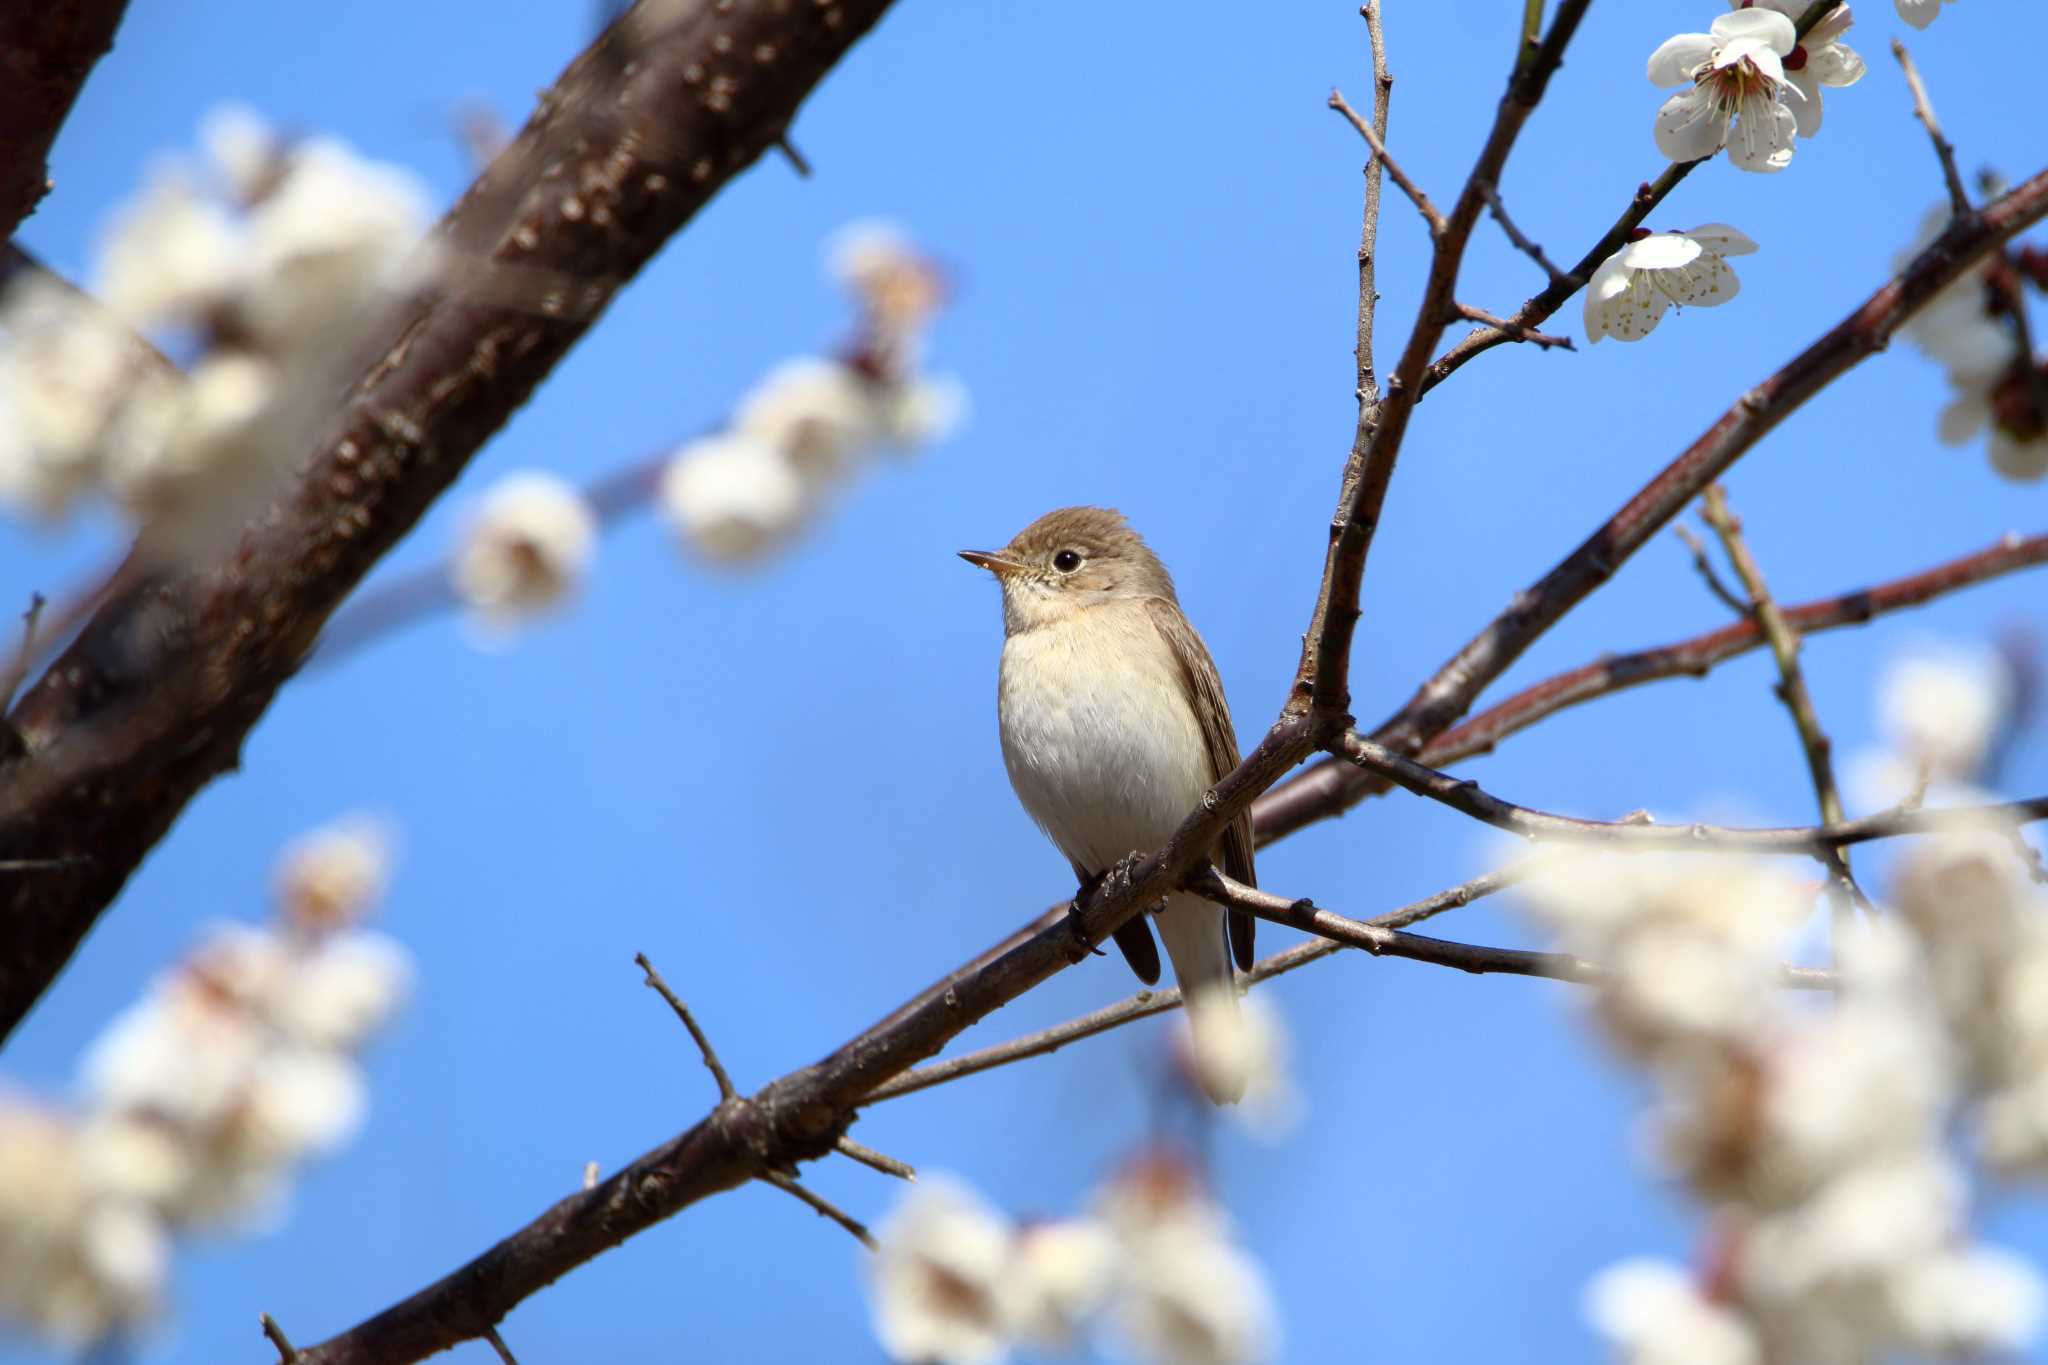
[[812, 423], [268, 264], [1920, 13], [1628, 294], [1652, 1313], [526, 549], [1061, 1272], [1735, 74], [1940, 707], [939, 1276], [198, 1103]]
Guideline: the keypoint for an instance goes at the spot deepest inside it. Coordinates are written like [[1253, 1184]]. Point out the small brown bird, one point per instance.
[[1114, 725]]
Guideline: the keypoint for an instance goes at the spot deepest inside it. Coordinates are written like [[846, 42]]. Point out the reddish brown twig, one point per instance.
[[1326, 789]]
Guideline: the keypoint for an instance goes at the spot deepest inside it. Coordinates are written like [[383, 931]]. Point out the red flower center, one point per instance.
[[1795, 60]]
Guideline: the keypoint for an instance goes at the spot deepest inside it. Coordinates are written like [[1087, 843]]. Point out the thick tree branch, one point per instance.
[[154, 698], [1329, 788], [46, 52]]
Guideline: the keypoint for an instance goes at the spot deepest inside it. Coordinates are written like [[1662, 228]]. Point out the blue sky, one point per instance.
[[784, 785]]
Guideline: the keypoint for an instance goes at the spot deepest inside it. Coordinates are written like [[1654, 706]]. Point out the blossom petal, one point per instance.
[[1632, 316], [1963, 418], [1806, 113], [1763, 135], [2023, 461], [1722, 240], [1704, 283], [1835, 64], [1662, 251], [1766, 26], [1690, 127], [1677, 58], [1918, 13]]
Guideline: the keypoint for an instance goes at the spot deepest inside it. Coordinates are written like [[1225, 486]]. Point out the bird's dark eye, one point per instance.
[[1066, 561]]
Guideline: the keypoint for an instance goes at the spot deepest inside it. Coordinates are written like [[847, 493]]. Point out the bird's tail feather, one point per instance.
[[1193, 931]]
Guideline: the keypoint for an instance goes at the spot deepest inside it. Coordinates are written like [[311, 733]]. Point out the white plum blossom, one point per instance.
[[330, 878], [526, 549], [1920, 13], [1819, 59], [1737, 75], [1196, 1299], [732, 497], [820, 414], [1061, 1272], [170, 256], [1628, 294], [939, 1277], [1651, 1312], [1971, 1303], [1940, 707]]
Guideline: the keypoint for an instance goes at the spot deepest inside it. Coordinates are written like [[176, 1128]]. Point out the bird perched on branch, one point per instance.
[[1114, 726]]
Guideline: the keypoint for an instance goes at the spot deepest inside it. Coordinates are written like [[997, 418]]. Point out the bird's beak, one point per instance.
[[993, 562]]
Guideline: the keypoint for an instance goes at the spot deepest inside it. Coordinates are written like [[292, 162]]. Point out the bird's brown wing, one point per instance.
[[1205, 694], [1133, 939]]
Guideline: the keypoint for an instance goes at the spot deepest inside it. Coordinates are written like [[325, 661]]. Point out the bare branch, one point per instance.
[[704, 1048], [1466, 957], [1415, 192], [622, 152], [1711, 576], [498, 1344], [1535, 609], [1792, 691], [1923, 109], [286, 1354], [1145, 1004], [868, 1156], [824, 1207], [25, 653], [1322, 680], [1369, 225], [1515, 332], [1522, 243], [1466, 797]]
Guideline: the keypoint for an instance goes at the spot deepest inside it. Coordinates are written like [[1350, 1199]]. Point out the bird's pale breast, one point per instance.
[[1102, 746]]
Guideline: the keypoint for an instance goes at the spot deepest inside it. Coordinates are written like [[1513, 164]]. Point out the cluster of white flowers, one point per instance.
[[1753, 84], [1994, 384], [255, 261], [1941, 706], [198, 1102], [811, 423], [954, 1282], [1819, 1129]]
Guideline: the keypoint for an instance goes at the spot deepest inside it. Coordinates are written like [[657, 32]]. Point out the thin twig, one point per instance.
[[1522, 243], [868, 1156], [24, 656], [1466, 957], [1704, 566], [1415, 192], [1515, 331], [710, 1054], [1368, 394], [1467, 797], [286, 1352], [794, 157], [1145, 1004], [498, 1344], [1923, 109], [824, 1207], [1798, 700]]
